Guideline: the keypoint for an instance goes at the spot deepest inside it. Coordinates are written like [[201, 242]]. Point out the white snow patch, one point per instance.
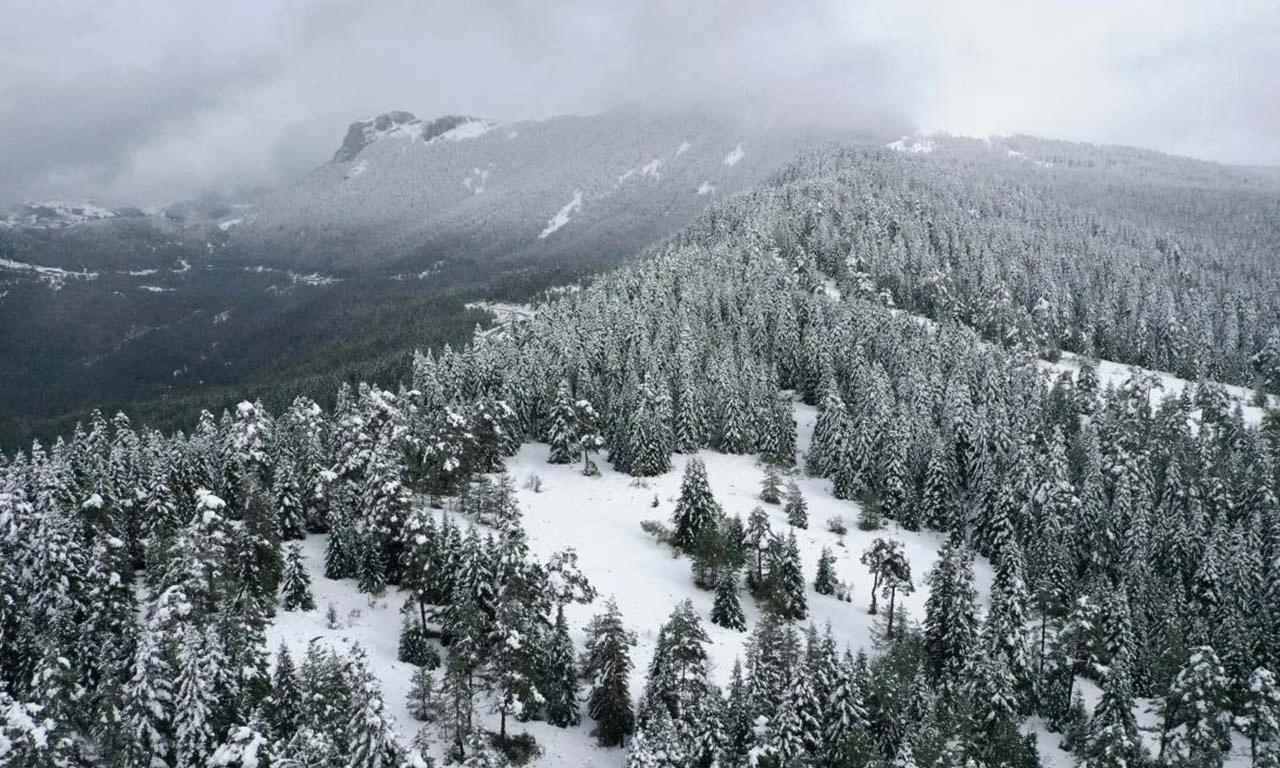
[[356, 169], [1013, 153], [229, 223], [684, 147], [141, 272], [651, 168], [155, 289], [1111, 373], [54, 277], [706, 188], [475, 180], [912, 144], [222, 317], [468, 130], [734, 155], [512, 134], [562, 216]]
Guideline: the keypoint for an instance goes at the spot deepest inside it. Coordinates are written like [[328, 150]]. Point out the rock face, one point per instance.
[[362, 133]]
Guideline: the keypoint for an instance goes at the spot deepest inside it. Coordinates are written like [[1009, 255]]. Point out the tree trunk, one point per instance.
[[875, 587], [893, 593]]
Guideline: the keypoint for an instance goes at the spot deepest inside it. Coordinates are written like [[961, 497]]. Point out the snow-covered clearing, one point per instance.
[[229, 223], [706, 188], [600, 518], [562, 216], [1110, 373], [684, 147], [734, 155]]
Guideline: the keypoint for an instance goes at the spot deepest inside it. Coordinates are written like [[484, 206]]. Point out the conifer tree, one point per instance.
[[1261, 716], [561, 686], [951, 617], [696, 510], [1197, 718], [824, 583], [726, 611], [607, 664], [285, 705], [786, 581], [771, 487], [562, 430], [796, 508], [295, 584]]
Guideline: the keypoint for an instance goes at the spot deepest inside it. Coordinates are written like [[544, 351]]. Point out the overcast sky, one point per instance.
[[145, 101]]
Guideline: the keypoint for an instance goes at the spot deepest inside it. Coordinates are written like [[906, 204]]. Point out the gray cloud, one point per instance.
[[146, 101]]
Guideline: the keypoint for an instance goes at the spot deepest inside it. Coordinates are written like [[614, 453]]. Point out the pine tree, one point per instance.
[[951, 617], [284, 707], [414, 648], [787, 586], [696, 510], [771, 487], [196, 699], [1197, 718], [678, 674], [422, 699], [796, 509], [726, 611], [607, 664], [295, 584], [825, 582], [561, 686], [562, 431], [1261, 720]]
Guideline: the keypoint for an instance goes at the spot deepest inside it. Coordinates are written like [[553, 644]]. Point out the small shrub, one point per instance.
[[331, 618], [869, 517], [836, 525], [639, 482], [656, 529], [655, 501], [591, 470], [533, 483], [519, 748]]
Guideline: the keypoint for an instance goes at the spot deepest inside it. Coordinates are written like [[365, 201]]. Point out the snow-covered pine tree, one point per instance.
[[561, 677], [796, 509], [951, 618], [825, 582], [562, 429], [1197, 711], [726, 611], [771, 486], [295, 584], [696, 510], [607, 664]]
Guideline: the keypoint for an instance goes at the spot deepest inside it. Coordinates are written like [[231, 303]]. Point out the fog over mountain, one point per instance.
[[147, 102]]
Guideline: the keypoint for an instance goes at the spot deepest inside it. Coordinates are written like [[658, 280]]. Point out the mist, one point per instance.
[[146, 102]]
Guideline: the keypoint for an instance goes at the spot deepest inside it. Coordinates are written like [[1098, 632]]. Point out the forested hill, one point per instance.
[[1123, 254], [1134, 548]]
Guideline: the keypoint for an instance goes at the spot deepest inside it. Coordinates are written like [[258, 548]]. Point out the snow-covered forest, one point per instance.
[[1034, 558]]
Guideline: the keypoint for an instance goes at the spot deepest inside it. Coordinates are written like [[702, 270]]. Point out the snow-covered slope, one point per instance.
[[402, 187], [600, 517]]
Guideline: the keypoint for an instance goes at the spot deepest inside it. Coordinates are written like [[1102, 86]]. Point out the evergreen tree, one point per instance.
[[1197, 718], [824, 583], [786, 581], [727, 610], [561, 687], [295, 584], [1261, 716], [951, 617], [285, 705], [562, 431], [796, 508], [696, 510], [771, 487], [607, 664]]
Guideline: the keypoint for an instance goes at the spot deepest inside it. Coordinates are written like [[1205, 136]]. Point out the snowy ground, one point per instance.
[[600, 517], [1117, 373]]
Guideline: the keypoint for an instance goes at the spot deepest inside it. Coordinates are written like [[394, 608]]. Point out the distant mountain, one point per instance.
[[343, 273], [406, 192]]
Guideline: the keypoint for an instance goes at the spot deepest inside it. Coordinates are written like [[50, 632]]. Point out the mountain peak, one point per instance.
[[397, 123]]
